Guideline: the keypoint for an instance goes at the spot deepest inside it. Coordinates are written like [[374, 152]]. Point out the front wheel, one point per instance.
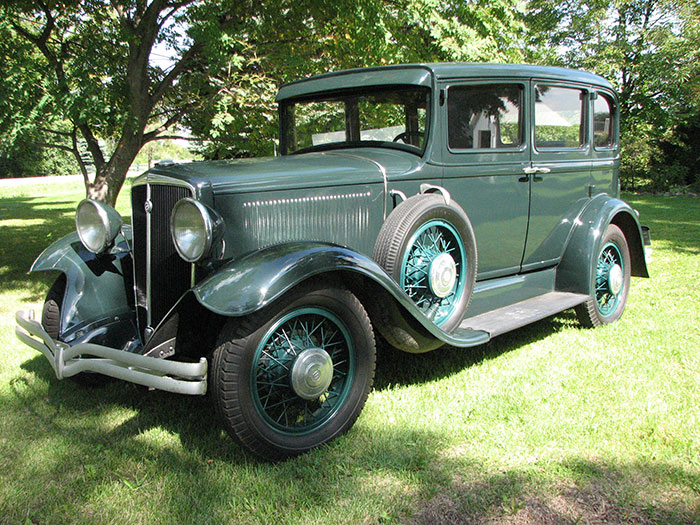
[[295, 375], [610, 281], [51, 321]]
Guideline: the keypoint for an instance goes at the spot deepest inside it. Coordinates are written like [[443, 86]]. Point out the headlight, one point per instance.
[[194, 228], [97, 225]]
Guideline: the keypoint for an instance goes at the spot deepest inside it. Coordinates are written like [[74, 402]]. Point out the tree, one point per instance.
[[648, 49], [295, 39], [97, 82], [99, 87]]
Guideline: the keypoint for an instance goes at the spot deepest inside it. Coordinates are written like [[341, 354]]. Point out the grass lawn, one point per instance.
[[552, 423]]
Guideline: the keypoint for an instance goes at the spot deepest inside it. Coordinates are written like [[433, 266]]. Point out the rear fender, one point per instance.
[[98, 288], [575, 272]]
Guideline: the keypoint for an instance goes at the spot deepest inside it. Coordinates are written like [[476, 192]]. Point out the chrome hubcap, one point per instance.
[[312, 373], [442, 275], [615, 279]]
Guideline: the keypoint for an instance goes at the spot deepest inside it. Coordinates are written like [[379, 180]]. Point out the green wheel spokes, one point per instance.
[[606, 299], [431, 240], [274, 395]]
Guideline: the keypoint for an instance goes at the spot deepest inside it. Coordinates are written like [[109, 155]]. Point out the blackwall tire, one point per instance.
[[51, 322], [419, 234], [296, 374], [51, 312], [610, 283]]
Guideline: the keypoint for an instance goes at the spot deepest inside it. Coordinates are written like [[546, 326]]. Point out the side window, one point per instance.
[[603, 124], [485, 116], [559, 117]]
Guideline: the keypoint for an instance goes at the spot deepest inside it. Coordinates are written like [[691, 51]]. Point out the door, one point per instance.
[[484, 154], [560, 171]]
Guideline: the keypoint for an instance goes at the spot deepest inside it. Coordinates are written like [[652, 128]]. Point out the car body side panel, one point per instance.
[[97, 287]]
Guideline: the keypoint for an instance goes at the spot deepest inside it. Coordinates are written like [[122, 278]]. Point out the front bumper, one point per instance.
[[67, 361]]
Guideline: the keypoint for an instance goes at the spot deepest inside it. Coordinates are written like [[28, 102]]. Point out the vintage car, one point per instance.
[[428, 204]]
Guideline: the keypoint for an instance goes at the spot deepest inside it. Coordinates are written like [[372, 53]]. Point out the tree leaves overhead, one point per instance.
[[649, 49], [289, 40], [98, 79], [100, 83]]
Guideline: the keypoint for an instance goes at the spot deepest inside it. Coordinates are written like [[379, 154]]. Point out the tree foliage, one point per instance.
[[96, 84], [649, 49], [289, 40], [80, 75]]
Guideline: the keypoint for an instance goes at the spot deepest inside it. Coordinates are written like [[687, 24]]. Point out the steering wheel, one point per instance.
[[405, 135]]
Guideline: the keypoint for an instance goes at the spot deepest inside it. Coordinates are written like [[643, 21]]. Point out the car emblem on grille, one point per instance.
[[148, 206]]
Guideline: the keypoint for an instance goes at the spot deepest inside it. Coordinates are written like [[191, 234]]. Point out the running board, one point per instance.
[[509, 318]]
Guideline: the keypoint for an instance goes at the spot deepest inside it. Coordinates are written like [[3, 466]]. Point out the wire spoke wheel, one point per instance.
[[610, 281], [609, 271], [428, 246], [433, 269], [295, 374], [302, 370]]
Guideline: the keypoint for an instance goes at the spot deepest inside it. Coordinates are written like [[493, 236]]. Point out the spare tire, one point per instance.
[[428, 247]]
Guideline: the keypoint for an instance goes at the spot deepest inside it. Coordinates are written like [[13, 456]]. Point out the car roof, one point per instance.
[[426, 74]]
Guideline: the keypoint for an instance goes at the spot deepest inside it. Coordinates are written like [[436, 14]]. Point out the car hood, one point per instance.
[[331, 168]]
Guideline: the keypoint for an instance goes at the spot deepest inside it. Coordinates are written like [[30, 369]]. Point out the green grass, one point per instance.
[[549, 423]]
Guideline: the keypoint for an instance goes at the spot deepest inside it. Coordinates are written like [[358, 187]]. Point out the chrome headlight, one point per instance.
[[98, 225], [194, 228]]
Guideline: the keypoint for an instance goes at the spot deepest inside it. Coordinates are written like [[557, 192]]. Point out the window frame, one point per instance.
[[614, 135], [349, 94], [522, 116], [585, 98]]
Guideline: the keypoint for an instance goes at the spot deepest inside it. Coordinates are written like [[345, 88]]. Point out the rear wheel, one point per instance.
[[611, 281], [295, 375]]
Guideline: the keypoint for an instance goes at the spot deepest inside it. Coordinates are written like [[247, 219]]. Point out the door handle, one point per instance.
[[531, 170]]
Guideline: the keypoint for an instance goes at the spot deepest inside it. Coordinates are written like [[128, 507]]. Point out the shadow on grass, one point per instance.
[[29, 225], [400, 368], [208, 477]]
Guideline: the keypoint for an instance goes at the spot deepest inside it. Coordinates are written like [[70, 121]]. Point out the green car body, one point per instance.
[[452, 202]]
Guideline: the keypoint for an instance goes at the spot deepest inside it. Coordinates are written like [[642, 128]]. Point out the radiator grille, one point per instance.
[[168, 274]]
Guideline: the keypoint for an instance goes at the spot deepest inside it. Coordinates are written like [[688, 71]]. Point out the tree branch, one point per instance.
[[56, 132], [93, 145], [54, 146], [182, 65], [173, 137], [176, 6], [81, 163], [153, 134]]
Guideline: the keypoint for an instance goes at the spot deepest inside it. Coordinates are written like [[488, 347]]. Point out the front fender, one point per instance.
[[253, 281], [576, 270], [97, 286]]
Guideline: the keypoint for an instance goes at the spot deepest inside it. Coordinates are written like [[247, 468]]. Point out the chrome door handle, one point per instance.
[[530, 170]]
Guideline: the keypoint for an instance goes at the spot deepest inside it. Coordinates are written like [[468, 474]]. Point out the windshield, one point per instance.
[[383, 117]]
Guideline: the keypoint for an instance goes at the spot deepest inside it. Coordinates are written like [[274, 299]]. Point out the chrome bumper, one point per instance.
[[67, 361]]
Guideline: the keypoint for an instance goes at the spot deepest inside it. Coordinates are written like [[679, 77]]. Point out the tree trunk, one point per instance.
[[110, 177]]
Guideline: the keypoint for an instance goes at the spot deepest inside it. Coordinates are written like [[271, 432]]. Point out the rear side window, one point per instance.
[[603, 131], [485, 116], [559, 117]]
